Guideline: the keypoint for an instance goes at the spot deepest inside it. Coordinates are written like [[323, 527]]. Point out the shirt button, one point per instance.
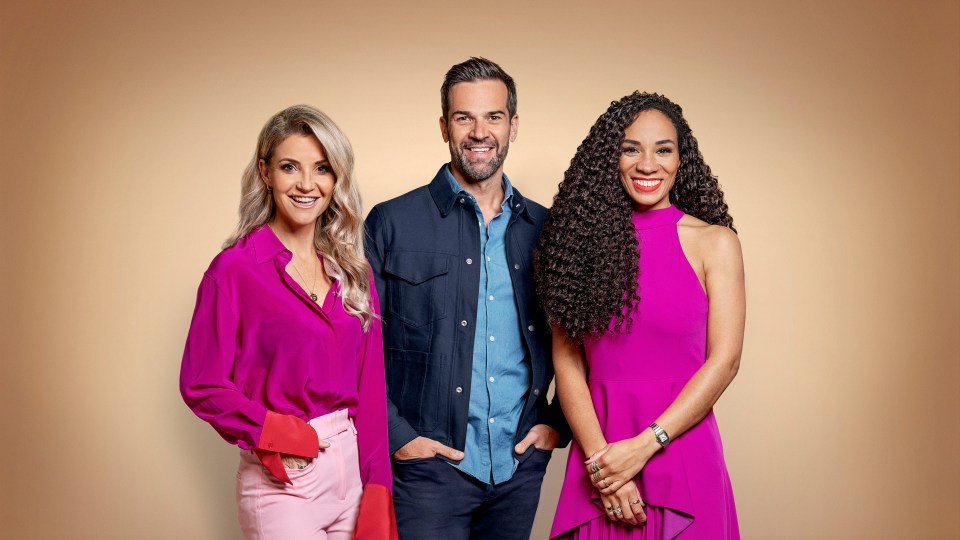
[[491, 338], [490, 297], [463, 323], [469, 261], [488, 259], [530, 328], [516, 267], [491, 379], [461, 200], [491, 420], [459, 389], [536, 391], [516, 205]]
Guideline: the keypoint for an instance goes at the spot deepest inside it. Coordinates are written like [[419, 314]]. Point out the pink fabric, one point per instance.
[[257, 343], [322, 502], [633, 378]]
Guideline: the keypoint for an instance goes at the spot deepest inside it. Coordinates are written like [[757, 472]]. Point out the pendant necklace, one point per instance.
[[313, 295]]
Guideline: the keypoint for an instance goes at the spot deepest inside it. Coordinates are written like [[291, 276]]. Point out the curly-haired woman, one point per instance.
[[285, 353], [640, 271]]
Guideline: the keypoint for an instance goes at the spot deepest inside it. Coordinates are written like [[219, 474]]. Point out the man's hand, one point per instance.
[[422, 447], [540, 436]]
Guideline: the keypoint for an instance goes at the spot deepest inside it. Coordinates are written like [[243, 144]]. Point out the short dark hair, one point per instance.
[[477, 69]]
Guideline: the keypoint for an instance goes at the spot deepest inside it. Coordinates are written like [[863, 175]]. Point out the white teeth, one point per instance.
[[647, 183], [304, 200], [479, 149]]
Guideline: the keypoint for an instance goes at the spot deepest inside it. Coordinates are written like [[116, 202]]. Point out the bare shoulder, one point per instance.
[[712, 242]]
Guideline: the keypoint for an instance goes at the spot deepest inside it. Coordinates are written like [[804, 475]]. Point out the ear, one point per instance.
[[514, 126], [262, 166], [443, 129]]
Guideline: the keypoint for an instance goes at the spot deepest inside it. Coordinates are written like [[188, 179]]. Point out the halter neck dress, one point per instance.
[[633, 377]]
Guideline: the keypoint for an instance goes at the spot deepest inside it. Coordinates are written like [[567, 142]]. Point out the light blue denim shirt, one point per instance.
[[501, 373]]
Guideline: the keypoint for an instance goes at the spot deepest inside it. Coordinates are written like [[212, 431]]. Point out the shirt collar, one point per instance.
[[445, 190], [265, 243]]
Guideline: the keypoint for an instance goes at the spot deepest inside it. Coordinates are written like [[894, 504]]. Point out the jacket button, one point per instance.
[[469, 261], [530, 328], [536, 391], [516, 267], [463, 323], [459, 390], [461, 200]]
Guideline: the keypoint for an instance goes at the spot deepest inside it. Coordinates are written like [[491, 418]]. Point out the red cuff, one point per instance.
[[286, 434], [289, 435], [376, 520], [274, 463]]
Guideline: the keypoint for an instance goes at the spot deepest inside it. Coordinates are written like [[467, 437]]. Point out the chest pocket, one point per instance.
[[417, 286]]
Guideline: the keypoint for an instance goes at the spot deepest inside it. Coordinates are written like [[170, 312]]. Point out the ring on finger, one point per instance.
[[636, 502], [618, 512], [595, 467], [604, 482], [609, 509], [595, 476]]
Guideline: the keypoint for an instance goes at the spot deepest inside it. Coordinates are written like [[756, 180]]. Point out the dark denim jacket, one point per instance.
[[424, 248]]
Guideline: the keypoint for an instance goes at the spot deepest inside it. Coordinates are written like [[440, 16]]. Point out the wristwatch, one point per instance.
[[660, 434]]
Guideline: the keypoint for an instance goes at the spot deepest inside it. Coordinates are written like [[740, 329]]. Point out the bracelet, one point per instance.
[[662, 438]]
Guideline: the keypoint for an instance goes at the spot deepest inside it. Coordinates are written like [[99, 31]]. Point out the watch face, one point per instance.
[[662, 437]]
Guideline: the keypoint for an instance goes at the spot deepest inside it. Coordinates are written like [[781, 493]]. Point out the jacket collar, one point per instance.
[[445, 198]]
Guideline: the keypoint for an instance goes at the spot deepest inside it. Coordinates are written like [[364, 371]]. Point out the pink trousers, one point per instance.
[[322, 502]]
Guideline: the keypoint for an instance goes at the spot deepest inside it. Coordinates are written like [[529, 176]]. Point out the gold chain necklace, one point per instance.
[[313, 295]]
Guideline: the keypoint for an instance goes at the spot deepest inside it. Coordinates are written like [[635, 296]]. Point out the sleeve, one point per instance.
[[399, 431], [371, 418], [554, 418], [206, 387]]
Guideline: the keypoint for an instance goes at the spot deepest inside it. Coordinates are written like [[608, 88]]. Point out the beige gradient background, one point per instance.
[[834, 127]]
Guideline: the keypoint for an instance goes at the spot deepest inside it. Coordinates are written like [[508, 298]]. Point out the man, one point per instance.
[[467, 346]]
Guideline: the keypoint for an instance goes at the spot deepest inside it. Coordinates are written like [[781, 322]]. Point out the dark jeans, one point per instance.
[[435, 501]]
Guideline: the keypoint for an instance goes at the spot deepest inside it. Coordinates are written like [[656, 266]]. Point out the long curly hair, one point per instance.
[[339, 233], [587, 258]]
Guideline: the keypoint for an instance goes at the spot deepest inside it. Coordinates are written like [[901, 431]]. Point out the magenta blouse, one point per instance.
[[261, 353]]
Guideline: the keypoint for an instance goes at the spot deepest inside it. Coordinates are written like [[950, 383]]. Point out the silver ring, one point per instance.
[[618, 512], [604, 482], [635, 502], [595, 467]]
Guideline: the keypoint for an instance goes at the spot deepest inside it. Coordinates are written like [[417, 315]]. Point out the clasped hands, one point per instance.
[[612, 470]]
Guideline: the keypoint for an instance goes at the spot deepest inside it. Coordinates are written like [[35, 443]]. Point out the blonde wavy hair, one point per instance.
[[339, 234]]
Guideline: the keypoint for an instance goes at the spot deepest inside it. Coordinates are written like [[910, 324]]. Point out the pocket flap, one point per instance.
[[413, 266]]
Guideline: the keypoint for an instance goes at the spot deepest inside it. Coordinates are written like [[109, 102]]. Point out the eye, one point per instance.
[[461, 119], [665, 150], [324, 169], [287, 167], [630, 150], [495, 117]]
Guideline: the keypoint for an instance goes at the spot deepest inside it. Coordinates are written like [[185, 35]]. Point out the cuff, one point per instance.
[[376, 519], [286, 434]]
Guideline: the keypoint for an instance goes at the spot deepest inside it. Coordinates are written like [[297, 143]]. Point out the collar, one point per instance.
[[445, 190], [265, 243]]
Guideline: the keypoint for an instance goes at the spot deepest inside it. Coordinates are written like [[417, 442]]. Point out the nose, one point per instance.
[[647, 163], [304, 182], [479, 130]]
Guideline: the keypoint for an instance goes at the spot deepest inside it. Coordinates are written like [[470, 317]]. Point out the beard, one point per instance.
[[476, 171]]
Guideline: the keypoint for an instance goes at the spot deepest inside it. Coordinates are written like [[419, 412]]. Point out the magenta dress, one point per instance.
[[633, 378]]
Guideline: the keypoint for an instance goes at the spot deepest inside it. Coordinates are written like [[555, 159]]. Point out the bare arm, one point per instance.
[[723, 273], [570, 367]]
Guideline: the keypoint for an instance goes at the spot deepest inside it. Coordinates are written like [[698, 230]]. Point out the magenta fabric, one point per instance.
[[322, 502], [633, 378], [257, 342]]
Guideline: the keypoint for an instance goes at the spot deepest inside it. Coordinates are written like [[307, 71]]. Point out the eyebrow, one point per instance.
[[488, 113], [322, 161], [663, 141]]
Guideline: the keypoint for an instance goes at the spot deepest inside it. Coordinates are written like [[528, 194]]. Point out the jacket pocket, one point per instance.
[[416, 286], [416, 384]]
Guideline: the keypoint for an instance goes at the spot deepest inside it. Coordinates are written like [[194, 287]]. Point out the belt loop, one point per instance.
[[353, 427]]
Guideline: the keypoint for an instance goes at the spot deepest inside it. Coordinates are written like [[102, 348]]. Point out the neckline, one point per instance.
[[651, 219]]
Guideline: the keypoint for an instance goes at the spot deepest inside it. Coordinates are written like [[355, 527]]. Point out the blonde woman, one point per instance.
[[284, 357]]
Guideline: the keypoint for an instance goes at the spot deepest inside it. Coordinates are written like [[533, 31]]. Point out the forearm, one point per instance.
[[580, 413], [697, 397]]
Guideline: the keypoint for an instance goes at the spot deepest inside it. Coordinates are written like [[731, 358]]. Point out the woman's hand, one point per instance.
[[625, 505], [291, 461], [615, 464]]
